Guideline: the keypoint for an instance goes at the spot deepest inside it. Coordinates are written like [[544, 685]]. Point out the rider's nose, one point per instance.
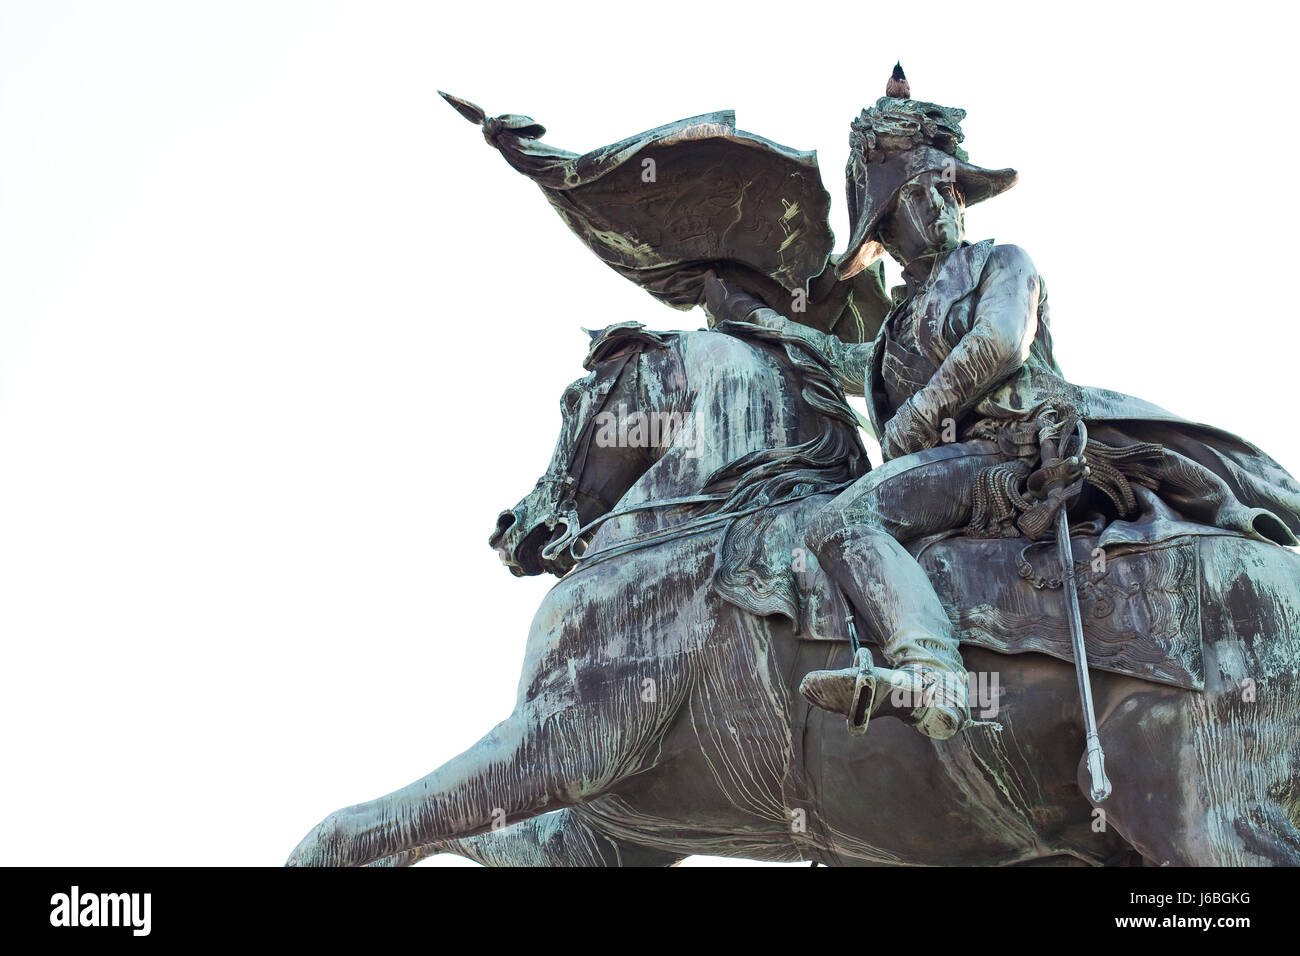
[[936, 198]]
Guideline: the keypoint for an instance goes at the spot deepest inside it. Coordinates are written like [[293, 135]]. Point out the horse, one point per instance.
[[659, 715]]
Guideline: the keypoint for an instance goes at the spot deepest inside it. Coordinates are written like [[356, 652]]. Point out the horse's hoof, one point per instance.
[[319, 848]]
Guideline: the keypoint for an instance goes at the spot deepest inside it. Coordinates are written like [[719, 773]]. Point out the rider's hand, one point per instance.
[[727, 302], [724, 301], [908, 431]]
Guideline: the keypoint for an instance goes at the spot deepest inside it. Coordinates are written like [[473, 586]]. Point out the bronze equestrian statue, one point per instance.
[[713, 569]]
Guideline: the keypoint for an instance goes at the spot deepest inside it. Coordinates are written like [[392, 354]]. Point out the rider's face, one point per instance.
[[926, 218]]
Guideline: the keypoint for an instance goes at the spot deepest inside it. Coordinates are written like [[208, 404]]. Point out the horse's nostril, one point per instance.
[[505, 521]]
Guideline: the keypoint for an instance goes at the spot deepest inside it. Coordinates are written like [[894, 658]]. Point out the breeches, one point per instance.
[[909, 497]]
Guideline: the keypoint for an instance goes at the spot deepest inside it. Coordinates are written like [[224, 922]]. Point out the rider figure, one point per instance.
[[961, 379]]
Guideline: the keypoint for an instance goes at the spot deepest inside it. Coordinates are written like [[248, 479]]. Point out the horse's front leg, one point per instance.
[[523, 767], [562, 838]]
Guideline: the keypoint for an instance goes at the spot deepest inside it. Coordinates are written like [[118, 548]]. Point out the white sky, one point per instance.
[[280, 335]]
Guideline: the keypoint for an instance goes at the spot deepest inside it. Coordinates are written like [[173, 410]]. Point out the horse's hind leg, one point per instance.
[[561, 838], [1240, 766], [1204, 780]]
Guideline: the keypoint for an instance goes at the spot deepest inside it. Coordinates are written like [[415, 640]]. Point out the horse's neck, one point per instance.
[[731, 400]]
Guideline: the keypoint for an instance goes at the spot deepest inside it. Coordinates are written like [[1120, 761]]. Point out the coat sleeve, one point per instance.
[[1004, 322]]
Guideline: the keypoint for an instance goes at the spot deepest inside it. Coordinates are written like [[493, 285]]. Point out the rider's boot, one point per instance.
[[927, 680]]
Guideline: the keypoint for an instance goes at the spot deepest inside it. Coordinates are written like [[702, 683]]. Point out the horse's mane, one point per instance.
[[752, 571], [831, 460], [834, 459], [614, 338], [753, 565]]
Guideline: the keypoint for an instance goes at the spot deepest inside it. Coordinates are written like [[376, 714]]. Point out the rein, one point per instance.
[[686, 529], [570, 539]]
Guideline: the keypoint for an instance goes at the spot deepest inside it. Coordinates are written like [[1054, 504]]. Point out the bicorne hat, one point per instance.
[[892, 143]]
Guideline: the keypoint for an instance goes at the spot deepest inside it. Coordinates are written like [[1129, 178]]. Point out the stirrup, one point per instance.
[[874, 689], [864, 693]]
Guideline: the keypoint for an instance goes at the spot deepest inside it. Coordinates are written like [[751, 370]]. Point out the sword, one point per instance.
[[1096, 757]]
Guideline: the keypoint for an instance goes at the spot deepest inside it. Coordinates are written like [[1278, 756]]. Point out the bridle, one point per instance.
[[576, 533], [568, 490], [567, 480]]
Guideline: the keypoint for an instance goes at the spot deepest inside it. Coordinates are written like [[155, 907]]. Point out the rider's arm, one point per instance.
[[848, 361], [1003, 325]]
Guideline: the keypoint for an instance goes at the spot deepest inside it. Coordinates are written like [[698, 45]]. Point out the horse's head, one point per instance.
[[536, 534], [751, 413]]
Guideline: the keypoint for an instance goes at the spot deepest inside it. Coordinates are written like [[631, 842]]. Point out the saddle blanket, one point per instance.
[[1141, 609]]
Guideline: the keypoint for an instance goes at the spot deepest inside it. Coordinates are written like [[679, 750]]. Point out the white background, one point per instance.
[[280, 335]]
